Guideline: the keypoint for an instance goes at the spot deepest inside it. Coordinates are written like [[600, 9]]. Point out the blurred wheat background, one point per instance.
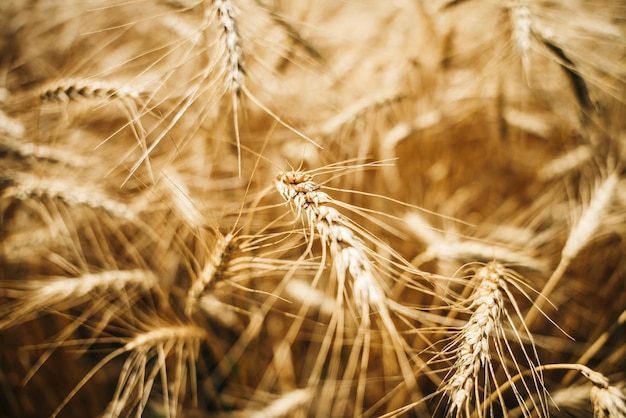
[[273, 208]]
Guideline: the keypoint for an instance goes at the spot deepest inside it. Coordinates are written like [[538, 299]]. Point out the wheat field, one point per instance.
[[275, 208]]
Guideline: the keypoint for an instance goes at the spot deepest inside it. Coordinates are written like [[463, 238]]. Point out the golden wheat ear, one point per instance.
[[484, 352]]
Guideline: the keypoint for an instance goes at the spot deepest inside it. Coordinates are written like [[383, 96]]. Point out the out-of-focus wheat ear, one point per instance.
[[98, 92], [581, 234], [165, 352], [235, 62], [29, 297], [353, 113], [28, 186], [451, 247], [565, 163], [521, 21], [11, 127], [25, 150], [285, 405], [70, 89], [215, 265]]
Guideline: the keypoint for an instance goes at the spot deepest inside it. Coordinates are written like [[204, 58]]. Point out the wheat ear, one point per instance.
[[473, 354], [235, 63], [608, 401], [137, 379], [350, 258], [521, 21], [12, 127], [26, 186], [62, 293], [66, 90], [580, 235], [210, 273]]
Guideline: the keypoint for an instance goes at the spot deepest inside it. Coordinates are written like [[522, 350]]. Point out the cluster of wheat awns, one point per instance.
[[312, 208]]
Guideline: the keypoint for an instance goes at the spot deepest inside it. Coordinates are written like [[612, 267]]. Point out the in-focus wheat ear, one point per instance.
[[350, 260], [483, 336]]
